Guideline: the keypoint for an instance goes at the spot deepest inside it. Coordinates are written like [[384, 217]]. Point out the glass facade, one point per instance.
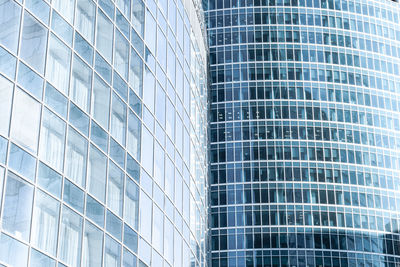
[[304, 132], [102, 133]]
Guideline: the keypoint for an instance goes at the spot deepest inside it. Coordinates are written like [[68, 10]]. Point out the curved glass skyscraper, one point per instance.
[[102, 133], [305, 132]]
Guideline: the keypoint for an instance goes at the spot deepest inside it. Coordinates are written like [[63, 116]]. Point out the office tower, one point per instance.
[[102, 133], [304, 132]]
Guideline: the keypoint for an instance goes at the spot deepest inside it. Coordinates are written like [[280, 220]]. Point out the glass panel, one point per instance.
[[25, 121], [115, 189], [125, 7], [79, 119], [58, 64], [158, 228], [22, 162], [69, 245], [33, 43], [130, 260], [17, 207], [52, 140], [134, 127], [121, 55], [65, 8], [101, 102], [76, 157], [49, 180], [84, 49], [118, 119], [104, 37], [99, 136], [112, 253], [8, 63], [30, 81], [147, 150], [151, 31], [131, 203], [40, 9], [97, 171], [13, 252], [6, 90], [95, 211], [114, 225], [55, 100], [138, 15], [81, 84], [85, 17], [130, 238], [136, 72], [39, 259], [10, 17], [45, 223], [92, 246], [148, 92], [145, 215], [73, 196], [61, 27]]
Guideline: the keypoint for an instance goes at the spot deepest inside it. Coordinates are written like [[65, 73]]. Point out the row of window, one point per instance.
[[323, 174], [243, 17], [261, 151], [230, 196], [262, 132], [382, 10], [296, 91], [306, 54], [383, 244]]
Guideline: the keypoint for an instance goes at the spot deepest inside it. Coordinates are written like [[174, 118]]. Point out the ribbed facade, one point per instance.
[[304, 132], [102, 133]]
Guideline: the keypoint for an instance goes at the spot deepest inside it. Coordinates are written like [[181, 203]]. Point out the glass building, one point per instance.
[[102, 133], [304, 132]]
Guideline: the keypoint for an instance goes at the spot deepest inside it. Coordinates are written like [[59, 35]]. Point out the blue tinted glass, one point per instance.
[[130, 238], [57, 101], [114, 225], [120, 86], [39, 259], [95, 211], [7, 63], [132, 168], [117, 153], [122, 24], [61, 27], [40, 9], [103, 68], [73, 195], [79, 119], [99, 136], [137, 42], [135, 103], [13, 252], [3, 150], [108, 7], [49, 179], [84, 49], [29, 80], [22, 162]]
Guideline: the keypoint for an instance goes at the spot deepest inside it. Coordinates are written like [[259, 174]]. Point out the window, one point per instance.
[[52, 140], [45, 222], [138, 16], [10, 16], [112, 255], [147, 150], [131, 212], [76, 157], [70, 237], [104, 38], [25, 121], [33, 43], [97, 171], [115, 189], [81, 84], [6, 90], [121, 55], [101, 102], [58, 62], [136, 73], [134, 129], [92, 245], [17, 207], [85, 17], [145, 216], [118, 119], [13, 252], [66, 8]]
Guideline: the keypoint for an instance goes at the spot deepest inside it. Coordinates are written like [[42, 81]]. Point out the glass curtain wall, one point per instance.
[[304, 132], [102, 133]]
